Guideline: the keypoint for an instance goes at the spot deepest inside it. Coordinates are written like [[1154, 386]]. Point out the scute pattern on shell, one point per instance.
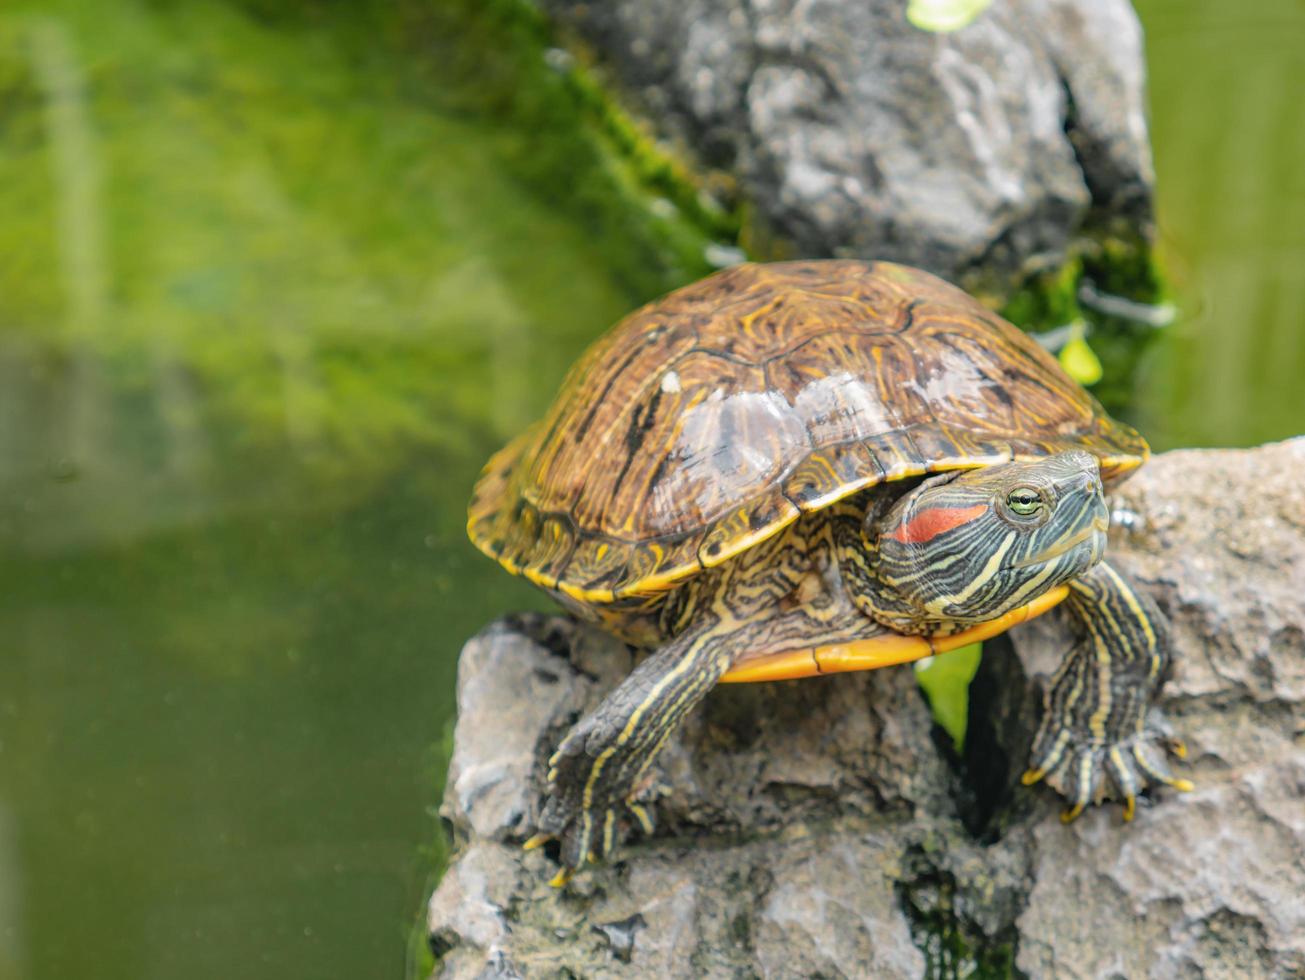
[[710, 419]]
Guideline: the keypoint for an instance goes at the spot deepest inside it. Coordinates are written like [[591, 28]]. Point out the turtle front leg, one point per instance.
[[1096, 708], [598, 768]]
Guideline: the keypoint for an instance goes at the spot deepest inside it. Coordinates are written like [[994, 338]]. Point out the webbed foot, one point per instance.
[[589, 800], [1098, 721], [597, 777], [1077, 766]]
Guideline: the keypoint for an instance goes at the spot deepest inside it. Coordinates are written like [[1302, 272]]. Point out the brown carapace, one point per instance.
[[711, 419]]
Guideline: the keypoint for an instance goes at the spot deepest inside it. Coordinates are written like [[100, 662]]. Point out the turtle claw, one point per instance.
[[586, 822], [1070, 814], [586, 835], [1154, 765], [1032, 776], [1077, 766]]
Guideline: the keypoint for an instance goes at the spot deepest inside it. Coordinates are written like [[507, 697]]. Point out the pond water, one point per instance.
[[272, 286]]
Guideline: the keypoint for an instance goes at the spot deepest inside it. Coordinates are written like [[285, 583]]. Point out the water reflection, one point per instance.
[[262, 316], [1225, 84]]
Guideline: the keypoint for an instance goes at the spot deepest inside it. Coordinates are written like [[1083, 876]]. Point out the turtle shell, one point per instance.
[[712, 418]]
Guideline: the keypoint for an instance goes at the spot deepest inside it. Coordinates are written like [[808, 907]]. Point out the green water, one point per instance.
[[1230, 159], [272, 286]]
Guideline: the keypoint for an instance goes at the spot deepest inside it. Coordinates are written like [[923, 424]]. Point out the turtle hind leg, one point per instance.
[[1098, 720], [597, 770]]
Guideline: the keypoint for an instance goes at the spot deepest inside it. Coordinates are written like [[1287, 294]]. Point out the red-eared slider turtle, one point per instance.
[[803, 467]]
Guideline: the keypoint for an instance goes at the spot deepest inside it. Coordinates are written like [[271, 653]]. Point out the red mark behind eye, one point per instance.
[[930, 523]]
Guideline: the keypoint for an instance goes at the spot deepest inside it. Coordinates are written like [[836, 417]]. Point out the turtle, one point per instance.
[[796, 468]]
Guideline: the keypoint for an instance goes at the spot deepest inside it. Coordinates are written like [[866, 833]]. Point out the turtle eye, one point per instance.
[[1024, 501]]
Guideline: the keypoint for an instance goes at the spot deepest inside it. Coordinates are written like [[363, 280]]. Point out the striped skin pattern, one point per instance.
[[785, 594], [709, 420], [949, 555], [1095, 710], [824, 581], [784, 459]]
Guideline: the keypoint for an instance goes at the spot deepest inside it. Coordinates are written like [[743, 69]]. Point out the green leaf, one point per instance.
[[1079, 360], [945, 680], [942, 16]]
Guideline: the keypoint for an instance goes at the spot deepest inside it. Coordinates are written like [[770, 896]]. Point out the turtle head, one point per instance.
[[967, 547]]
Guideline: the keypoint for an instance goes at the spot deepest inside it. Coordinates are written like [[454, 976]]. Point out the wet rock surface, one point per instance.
[[824, 827], [854, 133]]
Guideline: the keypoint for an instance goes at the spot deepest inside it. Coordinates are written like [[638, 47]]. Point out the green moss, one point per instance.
[[953, 948], [1046, 300], [1126, 270], [1111, 295], [510, 66], [434, 855]]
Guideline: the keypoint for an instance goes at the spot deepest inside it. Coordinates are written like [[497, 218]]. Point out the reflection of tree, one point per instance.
[[75, 164], [60, 411]]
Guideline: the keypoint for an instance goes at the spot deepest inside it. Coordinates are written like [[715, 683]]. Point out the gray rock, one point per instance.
[[854, 133], [1212, 883], [821, 827]]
